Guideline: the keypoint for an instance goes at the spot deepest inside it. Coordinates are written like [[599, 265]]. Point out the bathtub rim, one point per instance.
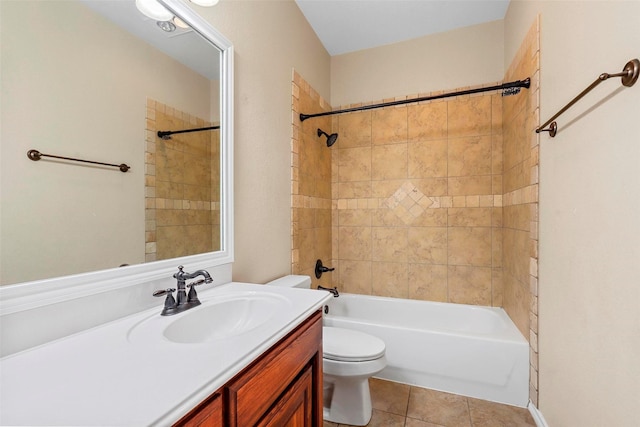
[[510, 333]]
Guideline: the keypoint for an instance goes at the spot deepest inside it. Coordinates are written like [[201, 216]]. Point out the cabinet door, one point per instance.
[[294, 409], [259, 387], [207, 414]]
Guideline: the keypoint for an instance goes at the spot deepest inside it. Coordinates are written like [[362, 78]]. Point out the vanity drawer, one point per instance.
[[261, 385]]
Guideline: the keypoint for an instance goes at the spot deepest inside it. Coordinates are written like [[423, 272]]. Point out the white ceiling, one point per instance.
[[349, 25], [342, 25]]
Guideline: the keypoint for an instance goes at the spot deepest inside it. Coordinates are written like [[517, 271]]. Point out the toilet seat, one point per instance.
[[347, 345]]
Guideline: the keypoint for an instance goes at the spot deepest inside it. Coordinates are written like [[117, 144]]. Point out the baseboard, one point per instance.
[[537, 415]]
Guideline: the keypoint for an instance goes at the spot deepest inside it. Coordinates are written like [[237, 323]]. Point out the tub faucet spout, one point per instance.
[[334, 290]]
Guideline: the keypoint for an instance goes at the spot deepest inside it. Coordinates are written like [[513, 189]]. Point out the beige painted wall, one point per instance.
[[468, 56], [270, 39], [589, 333], [93, 218]]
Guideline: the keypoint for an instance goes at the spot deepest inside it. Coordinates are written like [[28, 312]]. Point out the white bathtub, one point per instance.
[[463, 349]]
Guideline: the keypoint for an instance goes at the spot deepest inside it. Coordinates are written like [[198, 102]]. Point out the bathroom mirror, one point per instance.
[[82, 80]]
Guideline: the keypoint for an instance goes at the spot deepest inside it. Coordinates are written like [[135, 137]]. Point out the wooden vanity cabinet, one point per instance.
[[282, 388], [207, 414], [295, 406]]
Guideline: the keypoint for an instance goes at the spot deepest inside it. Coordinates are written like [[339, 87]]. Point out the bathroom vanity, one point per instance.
[[283, 387], [249, 355]]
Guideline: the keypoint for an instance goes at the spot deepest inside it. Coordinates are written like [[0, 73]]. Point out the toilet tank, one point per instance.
[[292, 281]]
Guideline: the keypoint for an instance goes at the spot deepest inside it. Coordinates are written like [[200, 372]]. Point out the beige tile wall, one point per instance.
[[310, 183], [520, 200], [417, 196], [435, 201], [182, 186]]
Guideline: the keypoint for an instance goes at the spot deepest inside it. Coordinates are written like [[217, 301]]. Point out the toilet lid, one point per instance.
[[348, 345]]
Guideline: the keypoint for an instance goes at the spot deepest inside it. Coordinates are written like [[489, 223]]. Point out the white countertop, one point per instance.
[[109, 376]]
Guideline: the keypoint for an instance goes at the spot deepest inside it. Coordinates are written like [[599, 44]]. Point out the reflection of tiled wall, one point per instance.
[[181, 186], [520, 200], [216, 243], [417, 196], [310, 183]]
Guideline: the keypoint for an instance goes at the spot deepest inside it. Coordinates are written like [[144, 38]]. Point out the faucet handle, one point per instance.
[[193, 295], [161, 292], [170, 301], [197, 283], [321, 269]]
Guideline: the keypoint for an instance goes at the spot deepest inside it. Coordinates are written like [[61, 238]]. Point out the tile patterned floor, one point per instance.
[[401, 405]]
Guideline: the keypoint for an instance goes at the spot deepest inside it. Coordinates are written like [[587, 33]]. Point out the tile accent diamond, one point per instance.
[[408, 202]]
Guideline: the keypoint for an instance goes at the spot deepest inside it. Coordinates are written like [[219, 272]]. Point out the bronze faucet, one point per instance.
[[184, 302]]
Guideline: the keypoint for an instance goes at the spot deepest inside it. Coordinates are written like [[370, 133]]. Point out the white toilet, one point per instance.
[[349, 358]]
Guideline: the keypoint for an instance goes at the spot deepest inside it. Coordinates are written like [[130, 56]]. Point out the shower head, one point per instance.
[[331, 139]]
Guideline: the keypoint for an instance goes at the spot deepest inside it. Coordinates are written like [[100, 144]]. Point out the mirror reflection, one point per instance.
[[183, 197], [96, 80]]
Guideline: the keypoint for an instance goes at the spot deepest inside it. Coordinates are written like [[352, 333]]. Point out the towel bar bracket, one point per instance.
[[552, 129], [630, 73]]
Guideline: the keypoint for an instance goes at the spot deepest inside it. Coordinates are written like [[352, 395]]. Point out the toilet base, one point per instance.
[[349, 400]]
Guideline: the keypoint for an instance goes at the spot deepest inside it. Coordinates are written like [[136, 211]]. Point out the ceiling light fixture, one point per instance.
[[167, 26]]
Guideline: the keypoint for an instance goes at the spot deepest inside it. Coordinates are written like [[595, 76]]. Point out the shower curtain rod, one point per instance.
[[162, 134], [510, 88]]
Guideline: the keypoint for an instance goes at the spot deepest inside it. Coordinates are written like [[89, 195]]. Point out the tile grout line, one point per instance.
[[469, 411], [406, 409]]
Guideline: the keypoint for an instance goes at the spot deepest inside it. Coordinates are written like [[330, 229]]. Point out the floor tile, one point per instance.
[[382, 419], [385, 419], [490, 414], [446, 409], [388, 396], [418, 423], [401, 405]]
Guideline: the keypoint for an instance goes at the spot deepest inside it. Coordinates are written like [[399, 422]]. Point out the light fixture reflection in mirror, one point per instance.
[[205, 2], [59, 219], [154, 10]]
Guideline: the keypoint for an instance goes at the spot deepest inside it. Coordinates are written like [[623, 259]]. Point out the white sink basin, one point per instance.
[[216, 319], [222, 319]]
